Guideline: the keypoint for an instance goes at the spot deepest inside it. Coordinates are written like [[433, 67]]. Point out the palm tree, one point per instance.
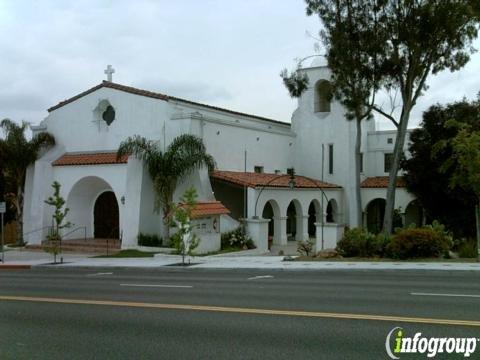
[[167, 168], [17, 154]]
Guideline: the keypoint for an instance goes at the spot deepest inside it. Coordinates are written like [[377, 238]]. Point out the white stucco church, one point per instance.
[[114, 199]]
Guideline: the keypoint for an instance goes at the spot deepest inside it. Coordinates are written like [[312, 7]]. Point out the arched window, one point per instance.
[[323, 96]]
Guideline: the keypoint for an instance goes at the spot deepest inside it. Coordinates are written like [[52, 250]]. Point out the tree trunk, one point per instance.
[[392, 180], [167, 208], [358, 160], [166, 231], [19, 215]]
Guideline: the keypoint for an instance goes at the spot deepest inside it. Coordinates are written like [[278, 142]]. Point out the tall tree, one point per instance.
[[168, 168], [410, 39], [431, 144], [18, 154], [466, 160]]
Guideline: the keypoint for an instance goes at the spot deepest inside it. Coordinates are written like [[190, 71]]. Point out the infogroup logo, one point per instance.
[[397, 343]]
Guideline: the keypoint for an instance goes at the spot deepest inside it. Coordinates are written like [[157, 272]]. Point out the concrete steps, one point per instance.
[[100, 246]]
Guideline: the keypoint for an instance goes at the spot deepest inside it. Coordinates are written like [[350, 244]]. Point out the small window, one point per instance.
[[109, 114], [390, 141], [361, 162], [258, 169], [388, 160], [330, 158], [278, 172]]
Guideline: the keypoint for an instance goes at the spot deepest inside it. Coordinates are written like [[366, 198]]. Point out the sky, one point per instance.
[[223, 53]]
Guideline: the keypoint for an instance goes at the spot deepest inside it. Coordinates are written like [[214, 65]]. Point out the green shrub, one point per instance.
[[467, 249], [237, 239], [361, 243], [378, 245], [305, 248], [149, 240], [428, 241]]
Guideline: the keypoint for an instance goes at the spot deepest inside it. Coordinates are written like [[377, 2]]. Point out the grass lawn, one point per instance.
[[222, 251], [359, 259], [132, 253]]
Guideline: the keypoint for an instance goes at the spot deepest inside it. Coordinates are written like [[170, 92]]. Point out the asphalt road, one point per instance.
[[210, 314]]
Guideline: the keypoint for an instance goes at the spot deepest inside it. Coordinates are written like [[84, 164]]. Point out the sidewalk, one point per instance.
[[228, 261]]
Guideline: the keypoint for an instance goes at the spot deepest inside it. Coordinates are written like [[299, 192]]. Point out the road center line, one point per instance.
[[159, 285], [221, 309], [101, 273], [260, 277], [448, 295]]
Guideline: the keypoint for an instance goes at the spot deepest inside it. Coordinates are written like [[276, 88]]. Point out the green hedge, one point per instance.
[[425, 242], [358, 242], [149, 240], [236, 239]]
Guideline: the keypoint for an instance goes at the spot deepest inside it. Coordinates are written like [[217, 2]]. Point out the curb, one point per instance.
[[15, 267]]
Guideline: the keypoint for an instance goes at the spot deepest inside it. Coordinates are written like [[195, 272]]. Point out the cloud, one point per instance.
[[225, 53]]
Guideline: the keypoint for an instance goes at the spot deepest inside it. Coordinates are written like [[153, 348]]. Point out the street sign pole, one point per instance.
[[3, 251], [3, 208]]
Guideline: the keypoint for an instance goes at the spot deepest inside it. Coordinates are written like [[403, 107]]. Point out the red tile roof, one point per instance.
[[271, 180], [380, 182], [100, 158], [207, 208], [136, 91]]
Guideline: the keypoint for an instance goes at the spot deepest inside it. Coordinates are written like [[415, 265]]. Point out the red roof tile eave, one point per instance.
[[86, 159], [209, 208], [262, 180], [379, 182]]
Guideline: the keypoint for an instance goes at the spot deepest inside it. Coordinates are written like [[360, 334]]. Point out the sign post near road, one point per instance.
[[3, 208]]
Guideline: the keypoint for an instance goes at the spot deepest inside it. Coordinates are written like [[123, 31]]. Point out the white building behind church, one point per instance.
[[114, 199]]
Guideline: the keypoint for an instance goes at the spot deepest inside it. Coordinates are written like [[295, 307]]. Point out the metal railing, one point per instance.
[[37, 230], [76, 229]]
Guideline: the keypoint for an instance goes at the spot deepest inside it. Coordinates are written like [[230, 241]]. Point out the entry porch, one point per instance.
[[282, 209]]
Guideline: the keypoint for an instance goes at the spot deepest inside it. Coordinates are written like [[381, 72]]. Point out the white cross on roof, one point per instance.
[[109, 71]]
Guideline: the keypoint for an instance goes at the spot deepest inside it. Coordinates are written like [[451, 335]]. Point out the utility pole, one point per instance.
[[2, 211]]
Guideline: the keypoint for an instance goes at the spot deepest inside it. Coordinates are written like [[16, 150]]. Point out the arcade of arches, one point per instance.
[[375, 211], [297, 224]]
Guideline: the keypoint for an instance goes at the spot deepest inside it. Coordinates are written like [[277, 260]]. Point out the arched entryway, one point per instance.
[[414, 214], [106, 217], [268, 214], [294, 214], [314, 213], [375, 212], [85, 196], [271, 211]]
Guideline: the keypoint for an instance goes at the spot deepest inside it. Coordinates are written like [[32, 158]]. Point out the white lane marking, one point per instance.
[[448, 295], [104, 273], [159, 285], [261, 277]]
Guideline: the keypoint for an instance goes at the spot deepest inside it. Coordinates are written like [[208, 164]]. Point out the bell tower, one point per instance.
[[325, 143]]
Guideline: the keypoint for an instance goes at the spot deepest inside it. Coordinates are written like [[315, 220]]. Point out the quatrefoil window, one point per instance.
[[104, 113], [109, 114]]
